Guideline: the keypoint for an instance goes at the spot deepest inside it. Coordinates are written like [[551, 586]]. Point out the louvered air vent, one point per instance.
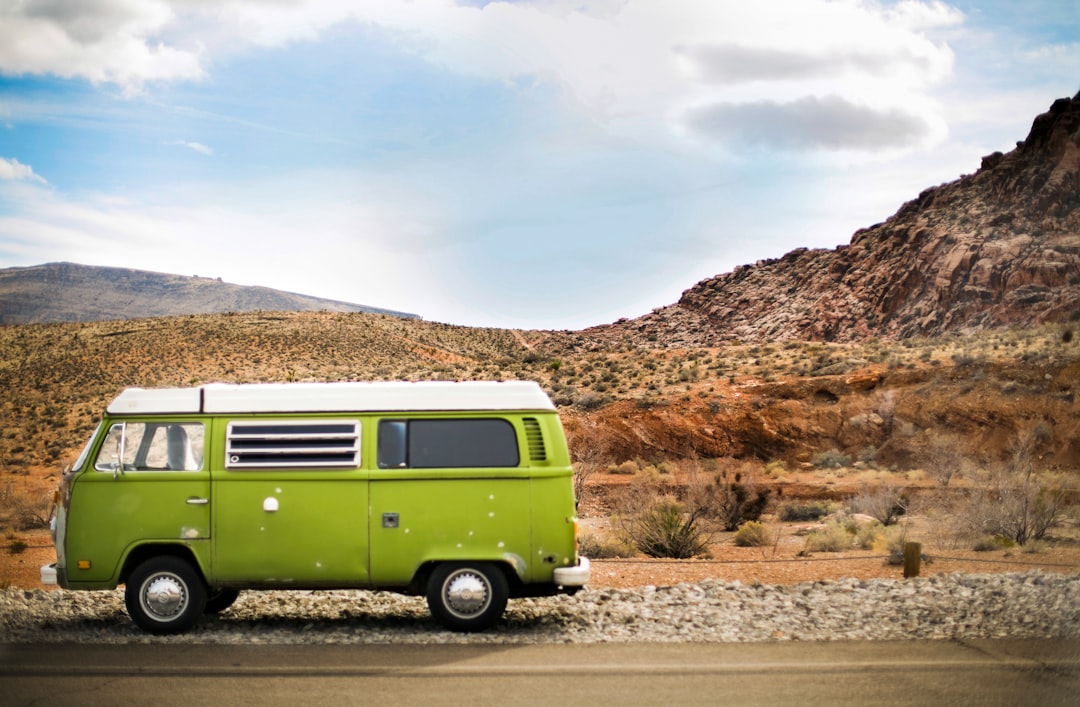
[[303, 443], [535, 438]]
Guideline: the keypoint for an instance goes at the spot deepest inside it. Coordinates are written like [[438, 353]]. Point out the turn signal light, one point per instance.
[[84, 564]]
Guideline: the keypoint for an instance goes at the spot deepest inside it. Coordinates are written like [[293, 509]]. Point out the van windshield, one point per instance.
[[78, 465]]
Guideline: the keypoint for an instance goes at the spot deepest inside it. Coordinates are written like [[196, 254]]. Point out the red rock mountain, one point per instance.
[[996, 248]]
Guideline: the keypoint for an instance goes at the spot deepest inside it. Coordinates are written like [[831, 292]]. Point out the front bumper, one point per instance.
[[48, 574], [576, 576]]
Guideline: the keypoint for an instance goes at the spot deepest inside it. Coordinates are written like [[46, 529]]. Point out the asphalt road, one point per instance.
[[998, 672]]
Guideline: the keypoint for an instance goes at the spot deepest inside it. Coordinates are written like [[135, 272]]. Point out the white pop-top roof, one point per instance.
[[392, 396]]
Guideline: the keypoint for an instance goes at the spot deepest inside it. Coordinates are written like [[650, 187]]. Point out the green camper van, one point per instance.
[[460, 491]]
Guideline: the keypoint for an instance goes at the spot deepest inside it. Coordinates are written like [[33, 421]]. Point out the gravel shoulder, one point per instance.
[[1015, 605], [741, 596]]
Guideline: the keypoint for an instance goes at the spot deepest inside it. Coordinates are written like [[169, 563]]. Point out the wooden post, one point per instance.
[[912, 559]]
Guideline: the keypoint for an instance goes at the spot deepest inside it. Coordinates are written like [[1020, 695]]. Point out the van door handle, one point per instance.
[[196, 501]]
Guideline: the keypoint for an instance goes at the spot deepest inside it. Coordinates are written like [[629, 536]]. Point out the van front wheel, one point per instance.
[[467, 596], [165, 595]]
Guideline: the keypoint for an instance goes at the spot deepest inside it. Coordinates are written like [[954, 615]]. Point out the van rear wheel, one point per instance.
[[165, 595], [467, 596]]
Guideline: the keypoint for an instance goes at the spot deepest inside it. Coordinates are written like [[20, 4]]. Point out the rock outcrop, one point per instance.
[[996, 248]]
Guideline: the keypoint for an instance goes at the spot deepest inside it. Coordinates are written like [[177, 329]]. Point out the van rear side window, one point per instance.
[[447, 444]]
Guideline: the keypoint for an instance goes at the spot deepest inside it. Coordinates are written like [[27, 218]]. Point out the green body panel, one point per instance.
[[447, 518], [108, 517], [318, 527], [317, 536], [553, 527]]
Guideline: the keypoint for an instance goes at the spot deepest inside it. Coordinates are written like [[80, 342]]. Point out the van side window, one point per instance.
[[393, 453], [447, 444], [152, 446]]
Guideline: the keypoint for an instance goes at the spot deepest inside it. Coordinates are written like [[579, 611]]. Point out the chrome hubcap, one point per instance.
[[467, 593], [164, 596]]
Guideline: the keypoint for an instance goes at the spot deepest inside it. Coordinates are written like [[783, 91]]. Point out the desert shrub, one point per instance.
[[775, 467], [26, 510], [730, 498], [753, 533], [1013, 500], [868, 455], [831, 459], [865, 535], [598, 548], [803, 511], [990, 543], [628, 467], [663, 529], [590, 401], [885, 504], [1035, 546], [942, 458], [890, 541], [835, 536], [16, 544]]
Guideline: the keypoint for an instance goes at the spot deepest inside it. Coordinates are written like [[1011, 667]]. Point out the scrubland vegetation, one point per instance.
[[979, 435]]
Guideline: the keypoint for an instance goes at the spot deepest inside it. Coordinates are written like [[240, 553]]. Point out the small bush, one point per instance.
[[809, 510], [867, 535], [16, 546], [27, 510], [1014, 500], [891, 541], [990, 543], [775, 467], [599, 548], [753, 533], [832, 459], [590, 401], [663, 530], [730, 502], [628, 467], [834, 537], [868, 455], [1034, 547], [884, 504]]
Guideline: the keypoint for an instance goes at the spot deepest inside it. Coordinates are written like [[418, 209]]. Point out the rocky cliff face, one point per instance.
[[995, 248]]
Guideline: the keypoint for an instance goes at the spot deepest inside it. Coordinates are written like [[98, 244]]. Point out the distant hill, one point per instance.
[[997, 248], [67, 292]]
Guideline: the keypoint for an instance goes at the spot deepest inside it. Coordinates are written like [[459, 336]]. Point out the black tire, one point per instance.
[[219, 600], [165, 595], [467, 596]]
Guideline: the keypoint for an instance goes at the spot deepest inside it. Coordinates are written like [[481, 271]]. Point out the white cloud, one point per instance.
[[635, 65], [916, 15], [735, 63], [829, 123], [113, 41], [194, 146], [11, 170]]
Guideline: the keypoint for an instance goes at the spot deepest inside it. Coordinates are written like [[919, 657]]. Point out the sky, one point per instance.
[[547, 164]]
